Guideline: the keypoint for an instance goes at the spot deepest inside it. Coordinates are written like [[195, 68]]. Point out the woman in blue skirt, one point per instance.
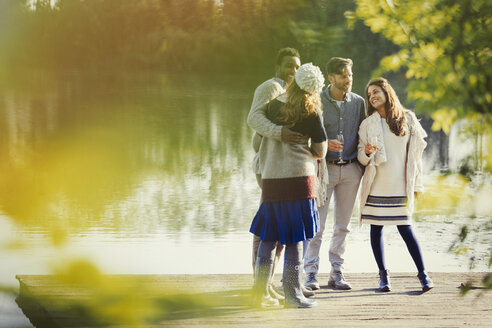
[[288, 211]]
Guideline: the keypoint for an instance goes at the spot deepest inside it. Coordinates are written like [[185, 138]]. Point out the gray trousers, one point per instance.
[[344, 184]]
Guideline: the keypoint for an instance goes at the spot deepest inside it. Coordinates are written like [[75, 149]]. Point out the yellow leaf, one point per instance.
[[473, 80], [443, 119]]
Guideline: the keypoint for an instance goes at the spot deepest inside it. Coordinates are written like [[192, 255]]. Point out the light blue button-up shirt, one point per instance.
[[345, 120]]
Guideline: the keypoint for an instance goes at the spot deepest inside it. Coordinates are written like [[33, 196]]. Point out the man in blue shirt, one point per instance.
[[343, 111]]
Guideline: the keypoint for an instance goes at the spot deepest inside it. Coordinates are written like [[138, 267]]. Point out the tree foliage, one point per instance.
[[233, 36], [445, 52]]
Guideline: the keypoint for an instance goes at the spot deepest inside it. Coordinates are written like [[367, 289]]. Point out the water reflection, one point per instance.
[[133, 152]]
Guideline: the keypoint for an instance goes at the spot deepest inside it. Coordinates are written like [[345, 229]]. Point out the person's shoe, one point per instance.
[[425, 281], [337, 280], [265, 302], [306, 303], [307, 292], [275, 293], [292, 286], [384, 281], [312, 281]]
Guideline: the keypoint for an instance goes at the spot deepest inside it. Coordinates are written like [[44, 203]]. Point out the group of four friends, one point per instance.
[[313, 143]]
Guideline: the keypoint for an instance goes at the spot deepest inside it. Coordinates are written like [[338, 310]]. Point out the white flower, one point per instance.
[[309, 78]]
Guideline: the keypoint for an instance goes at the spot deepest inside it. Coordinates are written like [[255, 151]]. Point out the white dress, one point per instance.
[[387, 201]]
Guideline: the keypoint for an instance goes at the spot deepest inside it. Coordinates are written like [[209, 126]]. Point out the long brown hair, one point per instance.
[[395, 112], [300, 104]]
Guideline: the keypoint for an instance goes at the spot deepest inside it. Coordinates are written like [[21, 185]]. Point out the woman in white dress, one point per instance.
[[391, 143]]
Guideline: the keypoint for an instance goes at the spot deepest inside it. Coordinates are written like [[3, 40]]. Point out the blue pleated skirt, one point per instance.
[[286, 221]]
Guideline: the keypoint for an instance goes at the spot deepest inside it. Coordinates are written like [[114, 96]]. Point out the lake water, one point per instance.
[[150, 173]]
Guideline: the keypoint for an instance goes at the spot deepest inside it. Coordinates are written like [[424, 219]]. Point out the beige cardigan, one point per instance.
[[264, 93], [371, 127]]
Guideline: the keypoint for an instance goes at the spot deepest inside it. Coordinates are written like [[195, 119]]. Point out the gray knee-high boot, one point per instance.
[[292, 286], [263, 271]]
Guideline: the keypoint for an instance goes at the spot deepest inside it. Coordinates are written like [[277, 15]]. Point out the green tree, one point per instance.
[[444, 51], [199, 36]]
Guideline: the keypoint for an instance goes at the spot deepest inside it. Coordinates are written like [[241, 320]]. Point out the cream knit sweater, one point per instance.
[[370, 127]]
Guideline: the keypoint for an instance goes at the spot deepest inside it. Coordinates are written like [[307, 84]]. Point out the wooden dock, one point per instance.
[[49, 303]]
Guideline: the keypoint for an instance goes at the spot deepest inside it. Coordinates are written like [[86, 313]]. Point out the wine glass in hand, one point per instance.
[[373, 141], [340, 159]]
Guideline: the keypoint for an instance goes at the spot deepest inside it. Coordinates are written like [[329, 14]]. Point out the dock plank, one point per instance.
[[363, 306]]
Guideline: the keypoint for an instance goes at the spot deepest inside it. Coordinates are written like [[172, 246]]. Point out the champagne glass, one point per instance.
[[340, 159], [373, 141]]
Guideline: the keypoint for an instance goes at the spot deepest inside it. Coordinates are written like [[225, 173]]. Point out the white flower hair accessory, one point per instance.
[[309, 78]]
